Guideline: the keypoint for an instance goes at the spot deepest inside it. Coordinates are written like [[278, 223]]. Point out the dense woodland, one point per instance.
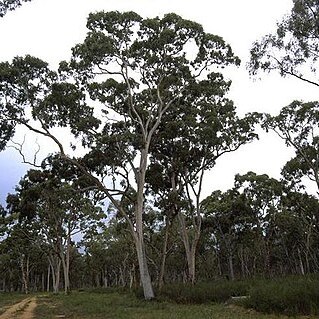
[[152, 119]]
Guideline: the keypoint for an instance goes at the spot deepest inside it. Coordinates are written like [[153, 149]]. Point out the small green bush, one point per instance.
[[290, 296]]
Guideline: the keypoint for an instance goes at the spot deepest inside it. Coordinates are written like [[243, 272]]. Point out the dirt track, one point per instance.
[[21, 310]]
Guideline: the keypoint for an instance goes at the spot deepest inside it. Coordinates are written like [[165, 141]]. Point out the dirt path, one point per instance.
[[21, 310]]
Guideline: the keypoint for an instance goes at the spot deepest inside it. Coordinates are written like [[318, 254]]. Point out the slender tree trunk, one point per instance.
[[132, 276], [231, 266], [67, 287], [65, 273], [65, 259], [43, 281], [164, 255], [105, 281], [191, 257], [242, 262], [302, 269], [48, 279], [144, 272], [56, 283], [139, 234], [24, 272], [190, 247], [55, 264]]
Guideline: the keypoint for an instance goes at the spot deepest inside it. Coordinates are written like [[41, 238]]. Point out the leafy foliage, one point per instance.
[[9, 5], [297, 125], [293, 47]]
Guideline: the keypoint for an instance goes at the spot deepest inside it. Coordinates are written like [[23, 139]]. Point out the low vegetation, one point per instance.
[[219, 291], [117, 305], [262, 298], [287, 296], [259, 298], [291, 295]]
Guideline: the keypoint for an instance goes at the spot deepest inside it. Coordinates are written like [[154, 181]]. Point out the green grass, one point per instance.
[[8, 299], [113, 305]]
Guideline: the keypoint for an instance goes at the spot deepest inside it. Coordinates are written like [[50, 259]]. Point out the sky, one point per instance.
[[48, 29]]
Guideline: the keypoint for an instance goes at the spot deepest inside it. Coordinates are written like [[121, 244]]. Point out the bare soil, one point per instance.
[[21, 310]]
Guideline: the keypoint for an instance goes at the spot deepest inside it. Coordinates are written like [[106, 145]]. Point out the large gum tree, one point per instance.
[[113, 95]]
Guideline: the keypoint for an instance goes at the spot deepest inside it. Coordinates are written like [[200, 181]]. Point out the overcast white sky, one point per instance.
[[49, 28]]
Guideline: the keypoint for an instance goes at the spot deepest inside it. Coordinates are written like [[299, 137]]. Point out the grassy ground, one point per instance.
[[85, 305], [8, 299]]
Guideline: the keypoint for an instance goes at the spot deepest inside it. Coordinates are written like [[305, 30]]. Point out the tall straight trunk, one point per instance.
[[139, 234], [105, 281], [190, 245], [65, 258], [242, 262], [231, 266], [229, 251], [55, 264], [144, 272], [24, 265], [43, 281], [191, 256], [164, 255], [302, 269], [48, 279], [191, 237], [56, 281], [132, 276]]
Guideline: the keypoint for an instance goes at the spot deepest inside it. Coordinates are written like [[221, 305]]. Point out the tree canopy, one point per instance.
[[113, 95], [9, 5], [297, 124], [293, 49]]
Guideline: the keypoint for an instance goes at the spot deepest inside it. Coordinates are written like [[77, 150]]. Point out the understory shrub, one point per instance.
[[290, 296], [295, 295], [218, 291]]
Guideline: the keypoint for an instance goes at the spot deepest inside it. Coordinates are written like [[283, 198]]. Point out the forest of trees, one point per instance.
[[152, 121]]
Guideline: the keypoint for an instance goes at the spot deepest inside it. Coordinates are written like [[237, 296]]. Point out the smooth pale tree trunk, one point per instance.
[[24, 265], [191, 256], [139, 234], [229, 248], [65, 258], [56, 280], [55, 264], [144, 272], [190, 238], [190, 246]]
